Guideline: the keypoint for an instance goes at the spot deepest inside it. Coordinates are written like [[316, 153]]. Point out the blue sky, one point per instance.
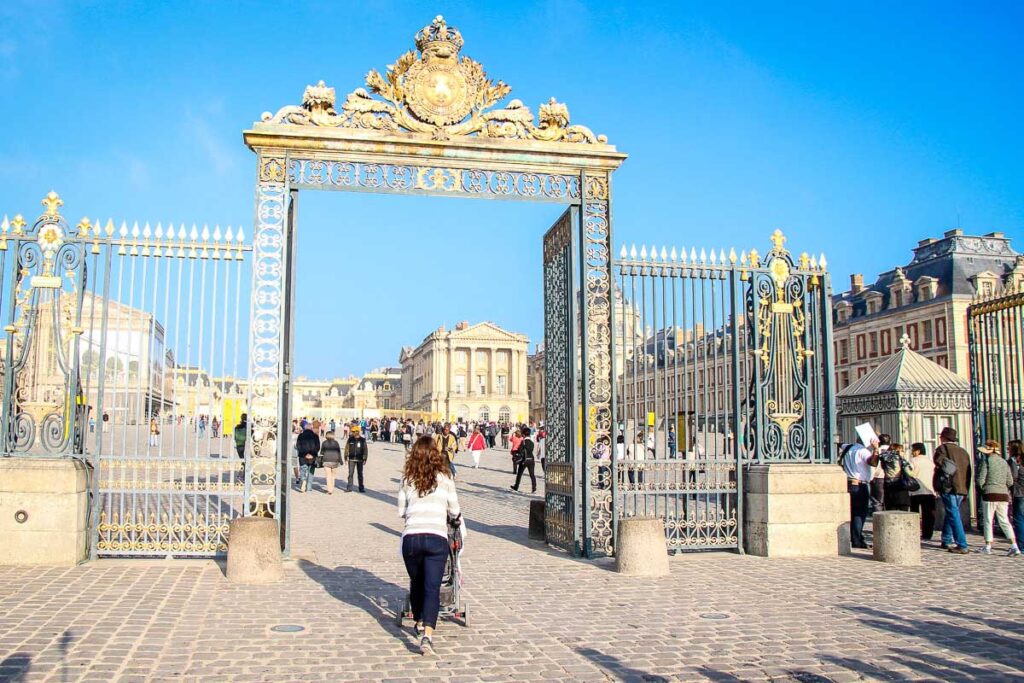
[[858, 128]]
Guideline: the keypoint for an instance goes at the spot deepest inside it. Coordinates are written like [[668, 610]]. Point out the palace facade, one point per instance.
[[473, 372], [926, 299]]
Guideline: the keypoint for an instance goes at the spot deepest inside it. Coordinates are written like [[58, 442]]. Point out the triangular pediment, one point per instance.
[[486, 331]]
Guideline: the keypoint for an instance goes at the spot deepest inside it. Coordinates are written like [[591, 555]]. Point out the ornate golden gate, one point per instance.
[[432, 124]]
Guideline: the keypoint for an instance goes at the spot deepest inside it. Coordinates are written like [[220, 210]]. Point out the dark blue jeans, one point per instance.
[[425, 557], [860, 500], [1018, 520], [952, 526]]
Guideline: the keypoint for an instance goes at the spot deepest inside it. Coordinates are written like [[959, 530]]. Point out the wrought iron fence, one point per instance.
[[123, 347], [721, 360], [995, 327]]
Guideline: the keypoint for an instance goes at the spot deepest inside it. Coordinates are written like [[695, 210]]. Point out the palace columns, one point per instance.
[[493, 372]]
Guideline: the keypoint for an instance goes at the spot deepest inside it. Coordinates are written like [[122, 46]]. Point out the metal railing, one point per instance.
[[995, 326], [722, 360]]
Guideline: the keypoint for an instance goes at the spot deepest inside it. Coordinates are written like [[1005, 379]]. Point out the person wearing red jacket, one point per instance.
[[476, 446]]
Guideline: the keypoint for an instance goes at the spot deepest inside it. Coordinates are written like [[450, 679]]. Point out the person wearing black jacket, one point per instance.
[[330, 457], [307, 445], [524, 460], [355, 454]]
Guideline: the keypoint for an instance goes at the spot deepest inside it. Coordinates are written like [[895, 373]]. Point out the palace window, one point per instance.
[[844, 351], [873, 338], [460, 384], [502, 385], [926, 333], [484, 414], [504, 414], [886, 339], [940, 331], [481, 383]]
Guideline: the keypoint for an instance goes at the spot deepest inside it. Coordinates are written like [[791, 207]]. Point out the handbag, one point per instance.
[[907, 482]]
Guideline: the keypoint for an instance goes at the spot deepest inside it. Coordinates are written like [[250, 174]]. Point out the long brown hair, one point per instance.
[[424, 463]]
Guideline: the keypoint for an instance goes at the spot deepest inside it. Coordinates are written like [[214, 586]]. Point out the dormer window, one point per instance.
[[872, 303], [900, 290], [843, 310], [927, 288], [986, 284]]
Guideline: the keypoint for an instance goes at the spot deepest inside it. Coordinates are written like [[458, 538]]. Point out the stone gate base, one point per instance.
[[796, 510], [44, 511]]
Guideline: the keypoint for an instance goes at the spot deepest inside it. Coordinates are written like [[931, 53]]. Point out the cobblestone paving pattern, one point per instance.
[[535, 613]]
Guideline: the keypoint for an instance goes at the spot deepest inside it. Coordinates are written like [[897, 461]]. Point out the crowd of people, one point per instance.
[[883, 475], [317, 445]]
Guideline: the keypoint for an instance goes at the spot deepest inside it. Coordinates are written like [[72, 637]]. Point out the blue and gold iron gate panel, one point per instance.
[[560, 474], [995, 327], [124, 345], [721, 360]]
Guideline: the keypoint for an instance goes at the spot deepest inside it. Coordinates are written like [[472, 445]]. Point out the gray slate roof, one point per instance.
[[907, 371]]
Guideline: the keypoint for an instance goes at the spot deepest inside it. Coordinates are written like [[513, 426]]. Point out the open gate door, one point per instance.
[[560, 363]]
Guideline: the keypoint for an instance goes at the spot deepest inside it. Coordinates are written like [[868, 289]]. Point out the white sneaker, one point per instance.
[[1014, 550], [987, 550]]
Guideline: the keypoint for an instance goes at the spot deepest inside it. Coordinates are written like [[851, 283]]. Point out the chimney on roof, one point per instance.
[[856, 283], [926, 241], [997, 235], [953, 233], [462, 325]]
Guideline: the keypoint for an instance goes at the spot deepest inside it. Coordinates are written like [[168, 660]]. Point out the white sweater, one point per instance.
[[428, 514]]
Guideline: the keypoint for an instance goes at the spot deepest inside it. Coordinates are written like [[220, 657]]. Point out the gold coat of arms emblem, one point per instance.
[[439, 89]]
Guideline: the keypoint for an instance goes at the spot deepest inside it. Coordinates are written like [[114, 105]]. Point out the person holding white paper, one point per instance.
[[857, 461]]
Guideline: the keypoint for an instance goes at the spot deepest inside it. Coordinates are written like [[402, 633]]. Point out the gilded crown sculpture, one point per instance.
[[435, 92]]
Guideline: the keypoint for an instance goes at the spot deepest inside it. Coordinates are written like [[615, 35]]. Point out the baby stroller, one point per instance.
[[451, 581]]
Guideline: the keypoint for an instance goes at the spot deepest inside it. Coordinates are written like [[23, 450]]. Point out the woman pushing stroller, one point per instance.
[[426, 500]]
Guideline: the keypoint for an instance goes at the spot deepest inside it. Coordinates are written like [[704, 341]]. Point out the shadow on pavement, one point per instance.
[[965, 642], [16, 667], [365, 590], [385, 528], [616, 669]]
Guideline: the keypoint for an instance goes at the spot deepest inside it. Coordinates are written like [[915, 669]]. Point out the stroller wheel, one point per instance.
[[465, 616]]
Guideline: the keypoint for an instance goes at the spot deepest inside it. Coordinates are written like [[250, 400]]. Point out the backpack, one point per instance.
[[945, 474]]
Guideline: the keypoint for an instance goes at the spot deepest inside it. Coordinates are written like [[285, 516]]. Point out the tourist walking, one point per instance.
[[858, 462], [513, 446], [356, 454], [952, 482], [426, 500], [241, 433], [448, 444], [330, 458], [154, 432], [524, 459], [542, 447], [307, 445], [995, 481], [1016, 453], [922, 500], [505, 429], [476, 446], [407, 437]]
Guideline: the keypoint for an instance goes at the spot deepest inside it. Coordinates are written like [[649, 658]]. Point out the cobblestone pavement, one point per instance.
[[535, 613]]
